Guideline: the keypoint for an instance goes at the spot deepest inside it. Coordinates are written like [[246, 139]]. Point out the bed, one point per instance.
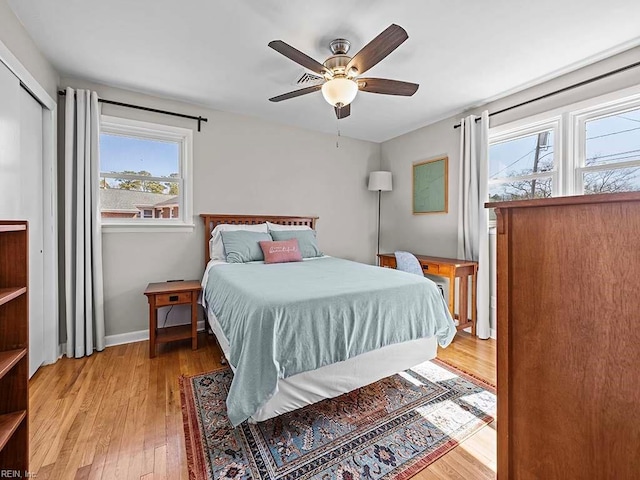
[[297, 333]]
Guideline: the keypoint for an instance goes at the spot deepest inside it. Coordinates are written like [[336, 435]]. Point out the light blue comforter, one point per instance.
[[287, 318]]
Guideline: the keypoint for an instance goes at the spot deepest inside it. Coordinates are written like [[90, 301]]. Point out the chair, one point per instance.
[[407, 262]]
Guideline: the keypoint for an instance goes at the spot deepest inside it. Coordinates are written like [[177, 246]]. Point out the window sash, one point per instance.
[[579, 119], [523, 178], [609, 166], [551, 124], [147, 178], [163, 133]]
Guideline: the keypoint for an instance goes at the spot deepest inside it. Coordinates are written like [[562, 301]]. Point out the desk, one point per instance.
[[452, 269], [172, 293]]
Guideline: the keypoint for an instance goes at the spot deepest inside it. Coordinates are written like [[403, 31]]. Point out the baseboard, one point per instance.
[[132, 337]]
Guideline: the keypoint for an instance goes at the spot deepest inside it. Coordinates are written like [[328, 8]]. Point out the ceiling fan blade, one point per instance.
[[296, 93], [297, 56], [343, 112], [378, 48], [387, 87]]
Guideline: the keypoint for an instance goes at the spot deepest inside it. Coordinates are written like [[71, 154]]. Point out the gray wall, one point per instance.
[[16, 39], [437, 234], [248, 166]]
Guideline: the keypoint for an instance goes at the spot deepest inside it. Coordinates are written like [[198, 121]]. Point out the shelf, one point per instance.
[[170, 334], [9, 358], [12, 228], [8, 294], [9, 422]]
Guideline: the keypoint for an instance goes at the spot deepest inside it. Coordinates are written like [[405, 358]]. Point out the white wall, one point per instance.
[[16, 39], [436, 234], [247, 166]]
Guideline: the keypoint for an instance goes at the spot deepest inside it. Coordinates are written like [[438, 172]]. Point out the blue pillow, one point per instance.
[[306, 241], [241, 246]]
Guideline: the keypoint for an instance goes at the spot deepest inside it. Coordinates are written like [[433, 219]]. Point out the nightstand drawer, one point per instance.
[[432, 268], [387, 261], [173, 298]]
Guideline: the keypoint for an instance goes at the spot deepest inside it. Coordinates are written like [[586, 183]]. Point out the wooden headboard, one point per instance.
[[211, 220]]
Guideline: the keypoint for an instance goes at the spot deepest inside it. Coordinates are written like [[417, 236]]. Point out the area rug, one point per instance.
[[390, 429]]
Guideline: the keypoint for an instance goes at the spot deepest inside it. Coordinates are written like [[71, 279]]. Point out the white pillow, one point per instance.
[[216, 247], [276, 227]]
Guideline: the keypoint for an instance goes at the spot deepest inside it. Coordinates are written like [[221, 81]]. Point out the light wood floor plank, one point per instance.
[[117, 413]]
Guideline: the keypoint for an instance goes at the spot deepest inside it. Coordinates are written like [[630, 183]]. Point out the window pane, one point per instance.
[[520, 190], [141, 156], [120, 199], [611, 139], [611, 181], [522, 156]]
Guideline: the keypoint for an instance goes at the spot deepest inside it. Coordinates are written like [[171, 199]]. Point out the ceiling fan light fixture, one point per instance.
[[339, 91]]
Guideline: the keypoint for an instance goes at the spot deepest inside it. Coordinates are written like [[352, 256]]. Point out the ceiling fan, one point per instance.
[[341, 73]]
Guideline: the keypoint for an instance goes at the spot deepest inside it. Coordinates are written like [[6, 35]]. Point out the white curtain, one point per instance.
[[473, 233], [84, 301]]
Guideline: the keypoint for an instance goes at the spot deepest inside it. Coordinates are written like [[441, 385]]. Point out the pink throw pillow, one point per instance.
[[282, 251]]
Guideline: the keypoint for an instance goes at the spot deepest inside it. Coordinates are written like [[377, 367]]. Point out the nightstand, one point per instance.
[[166, 294]]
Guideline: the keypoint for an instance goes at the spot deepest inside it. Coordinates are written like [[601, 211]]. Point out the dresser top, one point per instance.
[[571, 200]]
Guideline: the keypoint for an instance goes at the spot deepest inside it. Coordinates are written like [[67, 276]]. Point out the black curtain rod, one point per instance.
[[562, 90], [147, 109]]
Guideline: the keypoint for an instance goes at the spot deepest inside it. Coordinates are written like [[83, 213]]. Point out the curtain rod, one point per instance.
[[562, 90], [147, 109]]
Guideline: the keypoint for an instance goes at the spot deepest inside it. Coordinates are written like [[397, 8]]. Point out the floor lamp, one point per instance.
[[380, 182]]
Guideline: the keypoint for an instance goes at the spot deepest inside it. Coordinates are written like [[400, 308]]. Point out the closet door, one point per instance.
[[10, 170], [31, 209]]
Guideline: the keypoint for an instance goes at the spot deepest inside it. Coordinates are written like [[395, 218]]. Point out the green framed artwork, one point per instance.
[[430, 186]]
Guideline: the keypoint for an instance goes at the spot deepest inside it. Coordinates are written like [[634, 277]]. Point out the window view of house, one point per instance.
[[139, 178]]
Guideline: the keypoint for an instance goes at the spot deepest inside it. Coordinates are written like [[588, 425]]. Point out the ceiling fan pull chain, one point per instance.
[[338, 136]]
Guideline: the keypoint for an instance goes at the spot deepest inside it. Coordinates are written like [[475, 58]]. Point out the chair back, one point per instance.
[[407, 262]]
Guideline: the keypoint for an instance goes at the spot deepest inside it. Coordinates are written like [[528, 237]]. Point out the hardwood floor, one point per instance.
[[117, 415]]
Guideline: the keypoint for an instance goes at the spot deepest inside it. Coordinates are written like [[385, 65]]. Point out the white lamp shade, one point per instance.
[[339, 90], [380, 181]]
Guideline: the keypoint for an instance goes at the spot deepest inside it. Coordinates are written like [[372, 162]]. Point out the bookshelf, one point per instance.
[[14, 349]]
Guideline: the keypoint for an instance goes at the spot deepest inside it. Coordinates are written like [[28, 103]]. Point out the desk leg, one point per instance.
[[463, 301], [452, 295], [194, 323], [474, 306], [153, 324]]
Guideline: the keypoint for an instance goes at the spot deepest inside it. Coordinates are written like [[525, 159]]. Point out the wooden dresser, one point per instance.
[[569, 337]]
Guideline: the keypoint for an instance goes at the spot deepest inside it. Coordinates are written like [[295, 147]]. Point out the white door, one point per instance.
[[31, 209], [9, 145]]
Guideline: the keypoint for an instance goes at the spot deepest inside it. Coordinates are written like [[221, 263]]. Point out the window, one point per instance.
[[585, 148], [145, 173], [522, 163], [609, 153]]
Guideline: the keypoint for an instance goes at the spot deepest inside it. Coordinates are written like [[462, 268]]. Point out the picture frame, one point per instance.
[[431, 186]]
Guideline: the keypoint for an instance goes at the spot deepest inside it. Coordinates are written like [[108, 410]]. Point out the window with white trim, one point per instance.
[[145, 174], [586, 148], [609, 151], [523, 163]]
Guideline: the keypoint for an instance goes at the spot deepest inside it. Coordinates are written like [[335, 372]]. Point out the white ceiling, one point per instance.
[[214, 53]]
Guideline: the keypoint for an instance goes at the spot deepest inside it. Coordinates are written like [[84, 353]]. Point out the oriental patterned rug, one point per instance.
[[390, 429]]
